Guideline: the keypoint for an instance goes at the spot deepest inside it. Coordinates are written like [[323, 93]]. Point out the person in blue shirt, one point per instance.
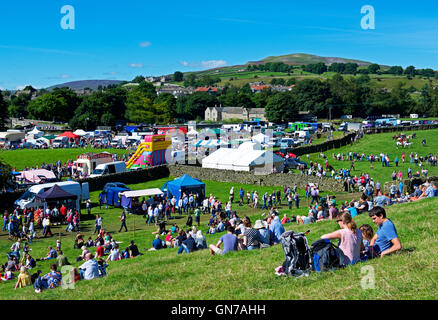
[[157, 244], [241, 194], [352, 210], [386, 240], [277, 229]]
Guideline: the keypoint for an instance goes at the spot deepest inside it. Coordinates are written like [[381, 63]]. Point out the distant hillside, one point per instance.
[[82, 84], [303, 59]]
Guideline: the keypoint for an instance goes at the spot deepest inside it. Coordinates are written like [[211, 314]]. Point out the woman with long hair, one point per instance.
[[350, 237]]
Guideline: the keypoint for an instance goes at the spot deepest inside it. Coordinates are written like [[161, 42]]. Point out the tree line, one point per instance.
[[344, 68], [141, 104]]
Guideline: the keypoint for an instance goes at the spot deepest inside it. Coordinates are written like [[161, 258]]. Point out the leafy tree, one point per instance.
[[396, 70], [138, 79], [197, 103], [373, 68], [351, 68], [108, 119], [429, 73], [291, 81], [317, 68], [281, 107], [337, 67], [278, 82], [313, 95], [165, 105], [190, 80], [147, 89], [180, 106], [92, 109], [260, 99], [410, 71], [5, 175], [230, 98], [49, 107], [114, 100], [140, 108], [18, 105], [428, 102], [246, 89], [178, 76], [72, 99], [4, 114], [207, 81]]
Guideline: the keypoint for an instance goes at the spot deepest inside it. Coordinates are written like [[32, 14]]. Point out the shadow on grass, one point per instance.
[[407, 250]]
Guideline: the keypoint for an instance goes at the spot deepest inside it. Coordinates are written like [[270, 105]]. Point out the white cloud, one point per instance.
[[213, 63], [65, 76], [144, 44], [209, 64], [136, 65]]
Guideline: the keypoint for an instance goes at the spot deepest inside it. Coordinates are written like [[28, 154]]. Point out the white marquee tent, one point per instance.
[[261, 138], [246, 158], [80, 132], [35, 133]]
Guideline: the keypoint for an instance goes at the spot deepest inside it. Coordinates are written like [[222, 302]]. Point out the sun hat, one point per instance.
[[258, 224]]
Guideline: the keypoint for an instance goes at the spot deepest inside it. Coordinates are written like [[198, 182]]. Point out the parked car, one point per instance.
[[293, 163], [108, 168], [114, 185]]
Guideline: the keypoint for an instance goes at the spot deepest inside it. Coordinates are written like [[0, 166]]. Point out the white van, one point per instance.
[[29, 200], [60, 141], [108, 168], [302, 135]]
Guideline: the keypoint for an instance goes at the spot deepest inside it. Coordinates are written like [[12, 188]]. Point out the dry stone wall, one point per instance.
[[274, 179]]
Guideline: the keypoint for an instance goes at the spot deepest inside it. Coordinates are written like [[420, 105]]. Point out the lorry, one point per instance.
[[89, 161], [11, 137], [386, 122], [109, 168], [350, 126], [302, 135], [29, 200]]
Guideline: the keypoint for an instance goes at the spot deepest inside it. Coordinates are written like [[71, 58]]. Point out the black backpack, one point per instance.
[[326, 256], [296, 251]]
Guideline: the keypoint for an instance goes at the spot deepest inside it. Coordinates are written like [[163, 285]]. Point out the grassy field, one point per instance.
[[376, 143], [35, 157], [411, 274]]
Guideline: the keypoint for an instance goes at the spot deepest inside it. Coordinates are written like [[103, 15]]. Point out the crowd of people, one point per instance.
[[240, 233], [93, 254], [24, 223]]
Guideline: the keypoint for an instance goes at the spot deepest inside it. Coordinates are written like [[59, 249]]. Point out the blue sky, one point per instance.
[[122, 39]]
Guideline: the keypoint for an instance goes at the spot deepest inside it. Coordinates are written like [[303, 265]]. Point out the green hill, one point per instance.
[[410, 274], [303, 59]]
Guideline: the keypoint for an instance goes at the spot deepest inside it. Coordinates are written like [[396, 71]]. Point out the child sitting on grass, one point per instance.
[[367, 234]]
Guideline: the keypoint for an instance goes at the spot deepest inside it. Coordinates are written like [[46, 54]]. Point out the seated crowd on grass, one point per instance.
[[239, 233]]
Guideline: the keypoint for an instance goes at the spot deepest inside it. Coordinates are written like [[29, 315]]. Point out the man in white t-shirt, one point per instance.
[[150, 214]]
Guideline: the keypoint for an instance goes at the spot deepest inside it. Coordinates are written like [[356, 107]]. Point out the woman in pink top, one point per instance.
[[350, 237]]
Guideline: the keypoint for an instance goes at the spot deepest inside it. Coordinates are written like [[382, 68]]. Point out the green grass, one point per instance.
[[410, 274], [376, 143], [35, 157]]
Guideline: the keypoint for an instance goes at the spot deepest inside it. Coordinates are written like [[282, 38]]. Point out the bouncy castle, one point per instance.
[[151, 152]]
